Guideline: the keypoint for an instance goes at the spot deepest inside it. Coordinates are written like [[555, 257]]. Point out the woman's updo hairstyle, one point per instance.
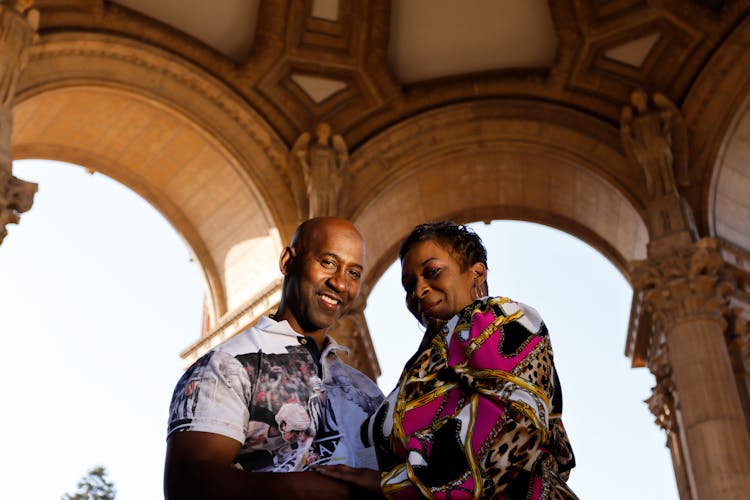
[[460, 241]]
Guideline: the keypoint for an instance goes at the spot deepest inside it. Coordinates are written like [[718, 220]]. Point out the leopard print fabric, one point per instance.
[[477, 412]]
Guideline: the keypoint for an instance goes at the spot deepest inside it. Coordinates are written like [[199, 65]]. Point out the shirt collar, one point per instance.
[[284, 328]]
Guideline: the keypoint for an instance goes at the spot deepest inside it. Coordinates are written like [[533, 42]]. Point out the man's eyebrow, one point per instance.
[[338, 258]]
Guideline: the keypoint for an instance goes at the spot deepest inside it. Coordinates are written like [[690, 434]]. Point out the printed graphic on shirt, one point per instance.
[[281, 430], [286, 415]]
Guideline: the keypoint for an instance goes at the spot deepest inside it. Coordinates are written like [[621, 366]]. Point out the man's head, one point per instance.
[[322, 271]]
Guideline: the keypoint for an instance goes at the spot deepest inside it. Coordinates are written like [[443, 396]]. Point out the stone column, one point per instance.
[[739, 349], [663, 405], [18, 25], [351, 330], [686, 295]]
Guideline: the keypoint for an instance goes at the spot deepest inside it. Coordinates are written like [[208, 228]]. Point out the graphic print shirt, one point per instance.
[[265, 389]]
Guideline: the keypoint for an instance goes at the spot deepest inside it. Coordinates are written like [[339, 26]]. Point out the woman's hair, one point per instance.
[[459, 240]]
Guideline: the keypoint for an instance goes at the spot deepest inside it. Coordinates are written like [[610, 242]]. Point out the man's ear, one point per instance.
[[285, 260]]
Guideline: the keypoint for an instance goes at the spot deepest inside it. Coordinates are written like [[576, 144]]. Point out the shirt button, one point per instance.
[[302, 340]]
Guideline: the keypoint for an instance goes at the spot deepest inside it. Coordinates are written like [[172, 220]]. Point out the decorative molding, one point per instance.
[[157, 62], [663, 400]]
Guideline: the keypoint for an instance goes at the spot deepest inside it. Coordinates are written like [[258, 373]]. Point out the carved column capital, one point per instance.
[[688, 284]]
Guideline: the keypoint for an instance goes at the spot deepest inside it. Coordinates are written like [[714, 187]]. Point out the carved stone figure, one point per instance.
[[655, 138], [18, 25], [321, 164]]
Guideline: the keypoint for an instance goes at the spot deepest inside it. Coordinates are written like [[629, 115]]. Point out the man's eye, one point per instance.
[[328, 263], [355, 274]]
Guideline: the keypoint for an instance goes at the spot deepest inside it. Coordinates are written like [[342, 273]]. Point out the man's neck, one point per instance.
[[318, 336]]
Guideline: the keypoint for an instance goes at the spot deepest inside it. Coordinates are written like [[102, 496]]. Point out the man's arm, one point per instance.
[[199, 466]]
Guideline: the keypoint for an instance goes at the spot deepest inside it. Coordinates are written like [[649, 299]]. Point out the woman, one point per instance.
[[476, 413]]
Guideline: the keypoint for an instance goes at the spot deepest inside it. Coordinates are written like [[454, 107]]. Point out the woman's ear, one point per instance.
[[479, 271]]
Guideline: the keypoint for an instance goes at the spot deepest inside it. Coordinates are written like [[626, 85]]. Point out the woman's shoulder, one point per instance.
[[518, 312]]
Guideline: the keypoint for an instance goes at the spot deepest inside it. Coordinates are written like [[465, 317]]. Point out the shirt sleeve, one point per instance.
[[213, 395]]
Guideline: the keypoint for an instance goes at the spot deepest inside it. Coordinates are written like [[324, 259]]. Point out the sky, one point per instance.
[[98, 296]]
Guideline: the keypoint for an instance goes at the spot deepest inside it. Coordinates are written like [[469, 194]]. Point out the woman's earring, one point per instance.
[[476, 292]]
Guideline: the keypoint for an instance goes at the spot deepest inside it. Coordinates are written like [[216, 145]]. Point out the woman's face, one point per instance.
[[435, 285]]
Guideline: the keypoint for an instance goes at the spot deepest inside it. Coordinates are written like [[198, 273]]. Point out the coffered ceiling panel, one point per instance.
[[439, 38]]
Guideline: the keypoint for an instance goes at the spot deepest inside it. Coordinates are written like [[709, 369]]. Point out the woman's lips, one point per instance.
[[426, 308]]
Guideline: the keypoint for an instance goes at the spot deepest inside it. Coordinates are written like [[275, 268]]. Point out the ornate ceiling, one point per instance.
[[445, 92]]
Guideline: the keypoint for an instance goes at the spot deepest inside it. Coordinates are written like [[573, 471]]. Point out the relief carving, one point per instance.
[[654, 140], [662, 401], [316, 169]]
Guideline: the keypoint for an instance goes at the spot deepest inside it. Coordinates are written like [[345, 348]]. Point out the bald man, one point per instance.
[[225, 440]]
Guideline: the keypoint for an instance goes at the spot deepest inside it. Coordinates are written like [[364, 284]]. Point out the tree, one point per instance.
[[94, 486]]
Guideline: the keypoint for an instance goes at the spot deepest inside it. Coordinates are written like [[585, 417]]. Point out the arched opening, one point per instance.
[[99, 295], [179, 167], [585, 301]]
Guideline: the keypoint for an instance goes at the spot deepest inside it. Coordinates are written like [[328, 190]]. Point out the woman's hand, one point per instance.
[[366, 479]]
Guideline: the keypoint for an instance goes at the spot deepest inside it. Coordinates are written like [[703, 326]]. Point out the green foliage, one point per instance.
[[93, 486]]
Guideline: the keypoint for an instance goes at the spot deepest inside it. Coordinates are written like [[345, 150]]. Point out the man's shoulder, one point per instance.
[[266, 335]]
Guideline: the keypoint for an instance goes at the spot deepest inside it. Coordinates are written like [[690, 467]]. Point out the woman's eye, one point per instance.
[[431, 272]]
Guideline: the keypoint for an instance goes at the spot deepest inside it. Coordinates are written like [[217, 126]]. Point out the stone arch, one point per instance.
[[717, 111], [184, 142], [498, 160]]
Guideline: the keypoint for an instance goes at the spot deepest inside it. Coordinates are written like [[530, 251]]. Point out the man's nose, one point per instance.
[[338, 281]]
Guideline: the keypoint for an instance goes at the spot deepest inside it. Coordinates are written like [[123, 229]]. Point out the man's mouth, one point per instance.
[[329, 302]]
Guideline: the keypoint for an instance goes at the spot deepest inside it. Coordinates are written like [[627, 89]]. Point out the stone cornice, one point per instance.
[[234, 322]]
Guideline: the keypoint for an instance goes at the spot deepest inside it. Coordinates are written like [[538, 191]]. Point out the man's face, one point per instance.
[[324, 275]]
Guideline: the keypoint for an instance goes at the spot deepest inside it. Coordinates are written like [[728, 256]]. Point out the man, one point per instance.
[[228, 408]]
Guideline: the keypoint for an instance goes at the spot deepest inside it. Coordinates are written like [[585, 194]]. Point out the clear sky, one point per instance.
[[98, 296]]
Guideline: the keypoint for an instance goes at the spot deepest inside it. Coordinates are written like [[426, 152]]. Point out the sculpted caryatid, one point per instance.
[[655, 138], [321, 163]]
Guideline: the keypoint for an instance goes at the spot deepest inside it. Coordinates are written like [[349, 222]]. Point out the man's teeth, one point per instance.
[[329, 300]]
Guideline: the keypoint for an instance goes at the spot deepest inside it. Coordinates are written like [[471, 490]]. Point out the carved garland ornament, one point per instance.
[[663, 399]]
